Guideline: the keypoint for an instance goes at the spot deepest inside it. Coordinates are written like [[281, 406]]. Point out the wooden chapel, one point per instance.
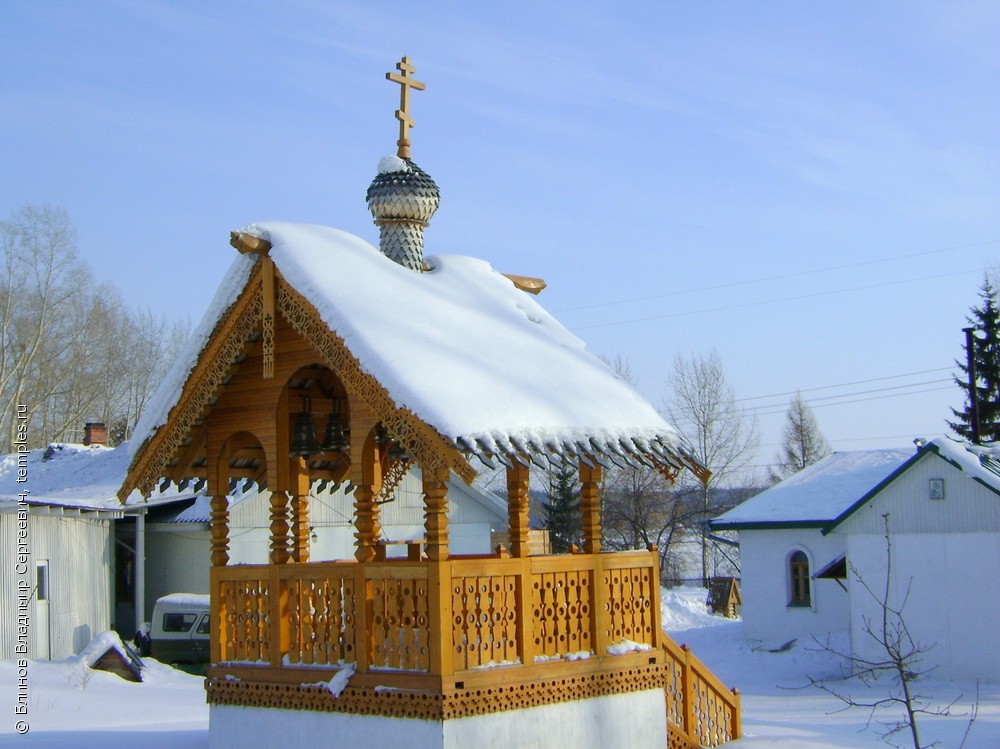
[[325, 359]]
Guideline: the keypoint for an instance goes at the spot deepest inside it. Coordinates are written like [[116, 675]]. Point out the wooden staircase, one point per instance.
[[701, 712]]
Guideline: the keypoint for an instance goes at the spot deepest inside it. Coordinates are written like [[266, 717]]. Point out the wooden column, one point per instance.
[[366, 523], [300, 510], [220, 530], [436, 512], [279, 527], [590, 506], [518, 522], [366, 473], [439, 606]]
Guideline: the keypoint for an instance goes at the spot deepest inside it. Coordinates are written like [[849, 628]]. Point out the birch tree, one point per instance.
[[70, 349], [722, 437]]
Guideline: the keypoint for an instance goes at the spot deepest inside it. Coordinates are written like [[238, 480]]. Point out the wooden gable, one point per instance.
[[261, 355]]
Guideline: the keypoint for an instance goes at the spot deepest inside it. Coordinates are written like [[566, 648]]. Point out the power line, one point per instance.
[[782, 277], [761, 302], [845, 384], [855, 400], [815, 402]]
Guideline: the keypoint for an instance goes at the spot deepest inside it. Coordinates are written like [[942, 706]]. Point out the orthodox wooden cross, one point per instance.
[[406, 82]]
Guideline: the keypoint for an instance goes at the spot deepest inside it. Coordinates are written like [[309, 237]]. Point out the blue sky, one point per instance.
[[812, 189]]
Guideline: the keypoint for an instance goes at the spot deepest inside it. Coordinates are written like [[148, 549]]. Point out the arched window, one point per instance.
[[798, 567]]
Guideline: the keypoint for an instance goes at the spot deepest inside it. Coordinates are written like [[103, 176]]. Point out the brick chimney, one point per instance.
[[95, 433]]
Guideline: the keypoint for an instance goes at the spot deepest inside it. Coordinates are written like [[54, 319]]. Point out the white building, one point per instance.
[[808, 542], [49, 534]]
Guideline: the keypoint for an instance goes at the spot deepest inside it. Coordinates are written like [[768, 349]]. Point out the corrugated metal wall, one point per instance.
[[78, 551]]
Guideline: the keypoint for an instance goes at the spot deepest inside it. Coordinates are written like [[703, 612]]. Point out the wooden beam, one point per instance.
[[526, 283], [247, 244]]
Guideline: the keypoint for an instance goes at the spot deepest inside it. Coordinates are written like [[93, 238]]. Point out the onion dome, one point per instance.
[[402, 199]]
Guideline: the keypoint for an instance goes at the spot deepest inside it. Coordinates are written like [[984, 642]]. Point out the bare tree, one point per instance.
[[723, 437], [43, 284], [70, 350], [641, 506], [804, 443]]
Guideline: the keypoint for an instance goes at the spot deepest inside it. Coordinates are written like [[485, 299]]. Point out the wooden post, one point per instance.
[[279, 527], [219, 530], [518, 522], [368, 529], [687, 690], [278, 585], [363, 634], [524, 625], [655, 613], [590, 506], [300, 509], [436, 512], [601, 601], [438, 570], [217, 615], [737, 715]]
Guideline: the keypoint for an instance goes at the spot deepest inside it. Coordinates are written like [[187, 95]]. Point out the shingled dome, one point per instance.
[[402, 198]]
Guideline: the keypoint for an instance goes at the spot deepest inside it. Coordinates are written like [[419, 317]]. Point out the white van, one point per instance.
[[180, 631]]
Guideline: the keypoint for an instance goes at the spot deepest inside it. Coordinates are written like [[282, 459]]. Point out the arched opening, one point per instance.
[[317, 414]]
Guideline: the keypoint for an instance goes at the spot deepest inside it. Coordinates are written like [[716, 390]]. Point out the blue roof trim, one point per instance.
[[757, 525], [921, 451]]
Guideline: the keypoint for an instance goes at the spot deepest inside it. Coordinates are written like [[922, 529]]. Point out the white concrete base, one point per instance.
[[636, 720]]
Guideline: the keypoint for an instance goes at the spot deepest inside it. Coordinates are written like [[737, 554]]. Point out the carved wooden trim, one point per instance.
[[430, 449], [267, 316], [395, 473], [219, 354], [448, 704]]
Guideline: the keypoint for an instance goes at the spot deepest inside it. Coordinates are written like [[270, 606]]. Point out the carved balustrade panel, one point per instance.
[[246, 629], [562, 607], [321, 619], [484, 611], [399, 623], [713, 712], [629, 597], [674, 689]]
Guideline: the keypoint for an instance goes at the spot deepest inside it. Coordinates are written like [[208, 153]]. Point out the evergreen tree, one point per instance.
[[804, 443], [562, 508], [986, 355]]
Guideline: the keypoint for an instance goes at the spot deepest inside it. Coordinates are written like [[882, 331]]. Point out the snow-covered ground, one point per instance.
[[71, 707], [781, 710]]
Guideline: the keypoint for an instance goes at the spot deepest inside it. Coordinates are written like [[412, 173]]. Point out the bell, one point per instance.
[[335, 439], [304, 440], [398, 452]]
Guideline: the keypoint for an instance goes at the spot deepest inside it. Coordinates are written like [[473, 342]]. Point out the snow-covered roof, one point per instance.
[[825, 493], [73, 475], [469, 354]]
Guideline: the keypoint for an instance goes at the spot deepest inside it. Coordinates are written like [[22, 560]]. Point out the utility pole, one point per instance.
[[970, 353]]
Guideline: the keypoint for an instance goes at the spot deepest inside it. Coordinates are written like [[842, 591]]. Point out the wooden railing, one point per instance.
[[381, 615], [699, 705], [463, 614]]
